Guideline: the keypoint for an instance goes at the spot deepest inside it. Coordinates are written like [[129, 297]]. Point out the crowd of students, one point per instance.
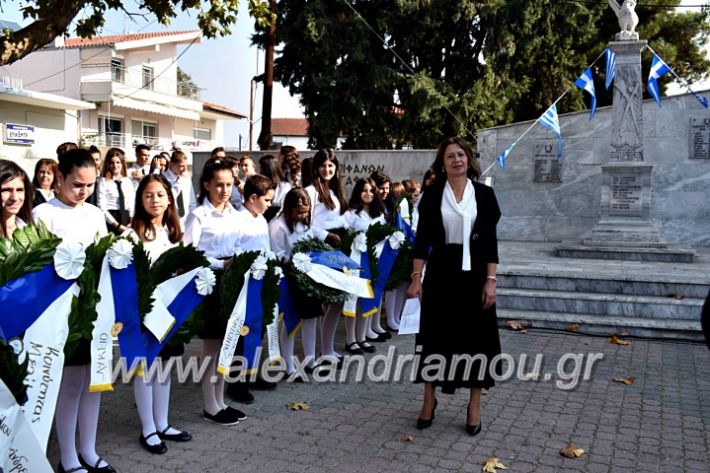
[[80, 196]]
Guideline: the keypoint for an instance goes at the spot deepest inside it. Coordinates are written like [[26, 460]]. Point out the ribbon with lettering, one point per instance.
[[180, 295], [44, 347], [235, 326], [326, 275], [387, 250], [21, 452]]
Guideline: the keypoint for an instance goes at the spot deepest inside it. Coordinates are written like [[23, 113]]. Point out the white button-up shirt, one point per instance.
[[108, 199], [182, 184], [79, 224], [322, 216], [282, 239], [214, 232], [360, 221]]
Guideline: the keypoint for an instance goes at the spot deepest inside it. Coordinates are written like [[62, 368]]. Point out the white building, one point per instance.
[[132, 79], [290, 131], [35, 123]]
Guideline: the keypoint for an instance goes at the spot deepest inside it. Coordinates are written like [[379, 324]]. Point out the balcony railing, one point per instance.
[[137, 79], [126, 141]]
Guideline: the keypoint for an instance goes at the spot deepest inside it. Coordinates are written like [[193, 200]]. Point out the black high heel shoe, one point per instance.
[[426, 423], [472, 429]]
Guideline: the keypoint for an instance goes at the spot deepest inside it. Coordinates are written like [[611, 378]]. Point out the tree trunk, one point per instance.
[[32, 37], [265, 135]]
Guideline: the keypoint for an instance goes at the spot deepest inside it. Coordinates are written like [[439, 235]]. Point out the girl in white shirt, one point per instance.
[[366, 209], [16, 191], [270, 167], [157, 224], [213, 227], [286, 230], [328, 206], [70, 218], [395, 298], [116, 194]]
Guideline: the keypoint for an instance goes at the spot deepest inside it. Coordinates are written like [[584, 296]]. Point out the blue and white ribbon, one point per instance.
[[387, 249], [326, 275], [586, 82], [658, 69]]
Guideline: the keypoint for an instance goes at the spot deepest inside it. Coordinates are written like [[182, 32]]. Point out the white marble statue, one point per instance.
[[628, 19]]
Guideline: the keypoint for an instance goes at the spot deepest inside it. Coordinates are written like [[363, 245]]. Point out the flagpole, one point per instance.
[[684, 82], [543, 113]]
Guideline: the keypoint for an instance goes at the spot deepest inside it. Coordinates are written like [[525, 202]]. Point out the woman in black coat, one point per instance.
[[457, 240]]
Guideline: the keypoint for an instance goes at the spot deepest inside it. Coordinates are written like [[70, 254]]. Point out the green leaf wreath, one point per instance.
[[176, 260], [233, 281], [401, 271], [29, 250], [12, 372], [375, 234], [308, 286], [83, 308]]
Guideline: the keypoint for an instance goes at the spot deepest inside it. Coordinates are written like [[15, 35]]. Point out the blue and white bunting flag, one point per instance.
[[586, 82], [658, 69], [551, 121], [610, 67], [504, 155], [703, 100]]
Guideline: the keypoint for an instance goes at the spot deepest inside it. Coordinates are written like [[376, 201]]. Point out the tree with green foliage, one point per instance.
[[51, 18], [460, 65]]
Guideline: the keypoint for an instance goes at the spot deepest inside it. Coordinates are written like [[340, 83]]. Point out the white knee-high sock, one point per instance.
[[161, 405], [308, 340], [143, 392], [89, 408], [329, 326], [210, 348], [362, 324], [349, 323], [67, 413], [391, 307], [287, 345], [376, 327]]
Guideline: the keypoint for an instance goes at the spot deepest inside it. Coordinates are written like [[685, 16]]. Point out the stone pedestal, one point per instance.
[[625, 230]]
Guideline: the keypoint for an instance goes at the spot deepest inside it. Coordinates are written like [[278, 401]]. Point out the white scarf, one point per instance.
[[468, 211]]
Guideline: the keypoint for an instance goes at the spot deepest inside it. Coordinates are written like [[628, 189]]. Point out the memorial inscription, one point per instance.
[[625, 195], [547, 166], [699, 146]]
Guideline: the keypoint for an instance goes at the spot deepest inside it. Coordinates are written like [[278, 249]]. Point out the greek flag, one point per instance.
[[703, 100], [504, 155], [551, 121], [610, 67], [586, 82], [658, 69]]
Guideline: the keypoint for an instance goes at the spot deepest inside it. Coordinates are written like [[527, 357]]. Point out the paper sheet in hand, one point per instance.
[[409, 322]]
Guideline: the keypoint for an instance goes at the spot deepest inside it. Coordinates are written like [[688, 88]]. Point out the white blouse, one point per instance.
[[107, 198], [214, 232], [322, 216], [459, 218], [279, 194], [282, 240], [159, 245], [360, 221], [253, 232], [76, 224]]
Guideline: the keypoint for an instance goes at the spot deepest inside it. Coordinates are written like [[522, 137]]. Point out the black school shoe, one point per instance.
[[260, 384], [182, 436], [239, 392], [96, 469], [157, 449], [223, 417], [76, 469]]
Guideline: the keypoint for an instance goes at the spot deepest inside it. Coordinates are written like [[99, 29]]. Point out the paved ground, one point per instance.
[[660, 423]]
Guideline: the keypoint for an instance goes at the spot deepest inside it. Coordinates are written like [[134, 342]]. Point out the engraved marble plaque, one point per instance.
[[547, 168], [625, 194], [699, 146]]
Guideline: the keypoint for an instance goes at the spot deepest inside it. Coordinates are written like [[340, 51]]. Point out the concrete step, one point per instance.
[[596, 324], [610, 306], [630, 284]]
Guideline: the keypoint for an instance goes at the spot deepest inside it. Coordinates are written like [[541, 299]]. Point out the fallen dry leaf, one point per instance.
[[625, 380], [572, 328], [518, 325], [299, 406], [571, 451], [408, 438], [531, 376], [614, 339], [491, 465]]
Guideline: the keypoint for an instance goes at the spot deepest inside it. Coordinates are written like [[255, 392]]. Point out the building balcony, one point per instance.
[[127, 141]]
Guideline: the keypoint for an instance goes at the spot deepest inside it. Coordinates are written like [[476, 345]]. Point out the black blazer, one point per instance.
[[484, 240]]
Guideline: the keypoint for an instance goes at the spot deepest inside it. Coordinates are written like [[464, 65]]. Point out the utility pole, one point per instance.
[[251, 114], [265, 135]]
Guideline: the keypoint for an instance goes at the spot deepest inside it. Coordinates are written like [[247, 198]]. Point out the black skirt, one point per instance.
[[214, 323], [453, 322], [81, 355]]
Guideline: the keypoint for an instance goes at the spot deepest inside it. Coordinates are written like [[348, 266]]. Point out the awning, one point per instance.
[[152, 107]]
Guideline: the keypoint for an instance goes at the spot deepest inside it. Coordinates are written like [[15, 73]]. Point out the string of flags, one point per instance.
[[550, 119]]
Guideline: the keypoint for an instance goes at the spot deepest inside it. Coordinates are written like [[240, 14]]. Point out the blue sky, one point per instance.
[[223, 67]]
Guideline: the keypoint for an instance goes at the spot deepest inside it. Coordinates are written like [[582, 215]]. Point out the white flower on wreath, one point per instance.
[[360, 242], [69, 259], [120, 254], [268, 254], [205, 281], [396, 240], [279, 272], [302, 262], [259, 267]]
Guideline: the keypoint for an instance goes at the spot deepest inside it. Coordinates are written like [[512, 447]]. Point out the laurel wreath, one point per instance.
[[12, 372], [29, 250], [308, 286]]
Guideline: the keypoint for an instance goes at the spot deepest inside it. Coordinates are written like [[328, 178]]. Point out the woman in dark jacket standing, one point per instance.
[[457, 241]]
